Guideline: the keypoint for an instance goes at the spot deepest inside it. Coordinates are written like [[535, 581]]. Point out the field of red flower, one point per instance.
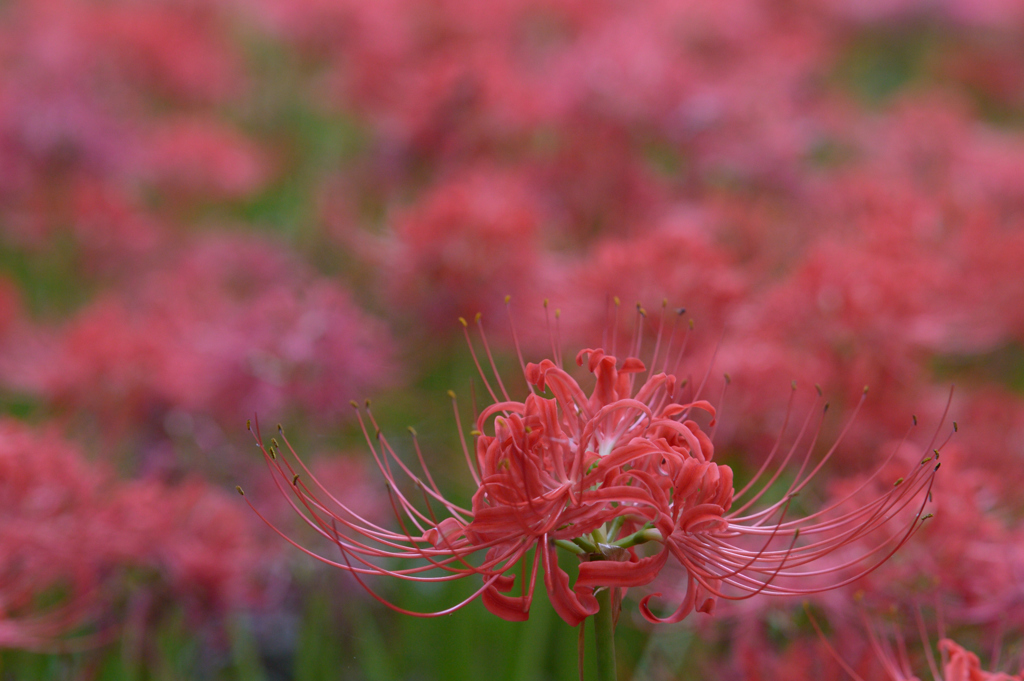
[[739, 214]]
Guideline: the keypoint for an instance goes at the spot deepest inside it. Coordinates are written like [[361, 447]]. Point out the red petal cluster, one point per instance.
[[602, 475]]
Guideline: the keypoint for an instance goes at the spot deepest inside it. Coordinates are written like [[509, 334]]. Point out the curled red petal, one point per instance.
[[632, 365], [701, 515], [621, 573], [572, 606], [444, 532], [535, 375], [511, 608], [606, 388], [684, 609]]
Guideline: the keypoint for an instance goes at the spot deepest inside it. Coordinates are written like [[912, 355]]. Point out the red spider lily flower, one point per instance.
[[963, 665], [957, 663], [599, 475], [54, 539]]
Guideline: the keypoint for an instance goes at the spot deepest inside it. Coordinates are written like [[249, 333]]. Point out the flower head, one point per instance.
[[623, 477], [956, 662]]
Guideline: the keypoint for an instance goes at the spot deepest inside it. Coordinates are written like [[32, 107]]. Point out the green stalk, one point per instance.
[[604, 630]]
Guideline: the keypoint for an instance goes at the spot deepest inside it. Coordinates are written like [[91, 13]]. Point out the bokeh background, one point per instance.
[[211, 209]]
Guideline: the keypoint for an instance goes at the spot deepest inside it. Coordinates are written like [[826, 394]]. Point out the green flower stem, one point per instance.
[[642, 536], [613, 533], [585, 544], [604, 630], [566, 545]]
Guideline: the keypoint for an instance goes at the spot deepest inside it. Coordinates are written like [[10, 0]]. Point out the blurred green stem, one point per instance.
[[604, 631]]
